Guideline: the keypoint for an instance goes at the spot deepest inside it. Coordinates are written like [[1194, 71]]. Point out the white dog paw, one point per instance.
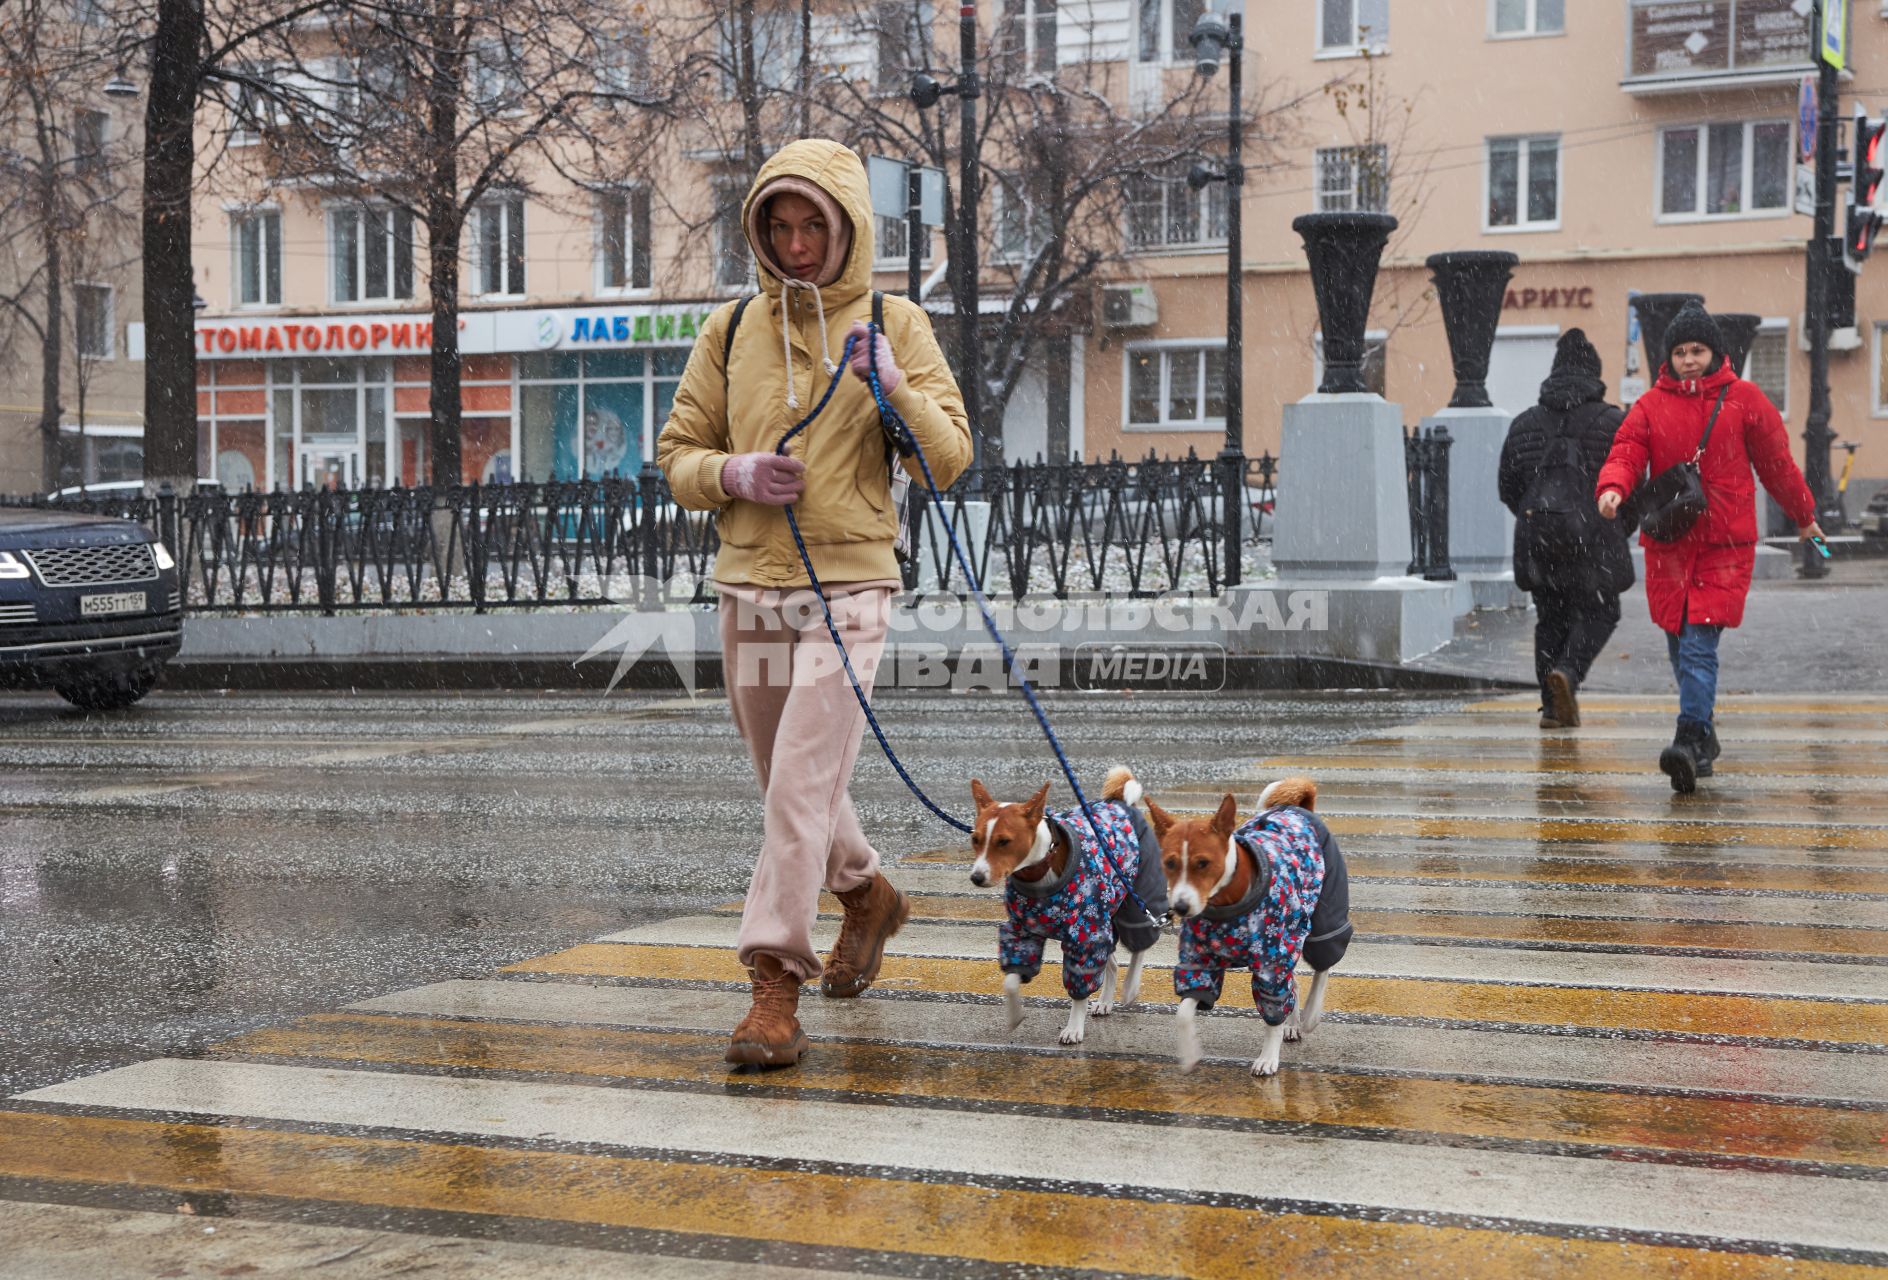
[[1100, 1008], [1293, 1031], [1071, 1035], [1305, 1026], [1265, 1066]]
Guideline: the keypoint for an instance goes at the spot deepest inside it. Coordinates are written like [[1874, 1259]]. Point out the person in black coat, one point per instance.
[[1575, 563]]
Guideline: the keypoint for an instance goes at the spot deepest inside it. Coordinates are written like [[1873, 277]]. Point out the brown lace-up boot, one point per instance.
[[874, 912], [770, 1034]]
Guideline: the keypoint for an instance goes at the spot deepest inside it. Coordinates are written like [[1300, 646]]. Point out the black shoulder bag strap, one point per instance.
[[1710, 423]]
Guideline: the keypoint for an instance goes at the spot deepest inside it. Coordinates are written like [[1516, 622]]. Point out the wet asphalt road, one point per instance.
[[204, 864]]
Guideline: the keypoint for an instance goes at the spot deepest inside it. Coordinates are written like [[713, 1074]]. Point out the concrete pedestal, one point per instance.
[[1343, 493], [1393, 620], [1481, 530]]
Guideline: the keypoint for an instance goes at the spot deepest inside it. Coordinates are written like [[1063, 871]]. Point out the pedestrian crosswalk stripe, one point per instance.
[[1369, 955], [1471, 926], [1697, 1128], [1849, 769], [1498, 1054], [910, 1219], [1730, 707], [1827, 1213], [1658, 1012]]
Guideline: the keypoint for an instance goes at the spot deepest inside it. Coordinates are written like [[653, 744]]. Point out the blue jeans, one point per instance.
[[1694, 653]]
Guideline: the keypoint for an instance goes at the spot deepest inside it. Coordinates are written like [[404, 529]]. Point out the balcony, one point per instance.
[[1687, 45]]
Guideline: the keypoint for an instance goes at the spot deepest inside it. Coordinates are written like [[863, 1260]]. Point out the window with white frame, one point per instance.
[[256, 239], [776, 51], [1354, 179], [734, 260], [499, 249], [90, 130], [252, 109], [1163, 211], [1726, 170], [92, 320], [1026, 37], [1352, 26], [1021, 222], [623, 63], [1527, 17], [904, 41], [624, 262], [1177, 388], [1164, 29], [891, 242], [1524, 183], [496, 79], [1769, 363], [370, 250]]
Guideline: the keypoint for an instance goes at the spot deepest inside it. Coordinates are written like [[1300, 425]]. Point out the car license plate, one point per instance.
[[118, 602]]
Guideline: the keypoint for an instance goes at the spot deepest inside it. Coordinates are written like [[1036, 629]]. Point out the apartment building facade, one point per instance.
[[1614, 145]]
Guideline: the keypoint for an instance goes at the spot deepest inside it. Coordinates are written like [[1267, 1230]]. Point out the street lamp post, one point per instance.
[[961, 236], [1212, 37]]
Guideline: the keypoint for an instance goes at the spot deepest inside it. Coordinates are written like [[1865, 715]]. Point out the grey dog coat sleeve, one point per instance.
[[1132, 928]]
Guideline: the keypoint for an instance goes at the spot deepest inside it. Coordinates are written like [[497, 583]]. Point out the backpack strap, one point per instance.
[[727, 346]]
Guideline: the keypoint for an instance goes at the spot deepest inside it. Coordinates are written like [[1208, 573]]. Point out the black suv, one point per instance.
[[89, 606]]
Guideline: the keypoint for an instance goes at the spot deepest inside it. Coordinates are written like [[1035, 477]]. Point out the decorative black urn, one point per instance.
[[1344, 249], [1656, 313], [1740, 331], [1471, 285]]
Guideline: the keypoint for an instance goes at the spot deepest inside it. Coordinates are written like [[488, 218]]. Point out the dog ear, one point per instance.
[[1037, 805], [1162, 820], [980, 795], [1226, 820]]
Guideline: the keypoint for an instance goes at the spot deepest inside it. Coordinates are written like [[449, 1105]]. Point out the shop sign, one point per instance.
[[588, 327], [1570, 298], [317, 335], [1713, 37]]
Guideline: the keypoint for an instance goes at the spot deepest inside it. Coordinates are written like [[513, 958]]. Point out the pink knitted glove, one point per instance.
[[888, 373], [766, 478]]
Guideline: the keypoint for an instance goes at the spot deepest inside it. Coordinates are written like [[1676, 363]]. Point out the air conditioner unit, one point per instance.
[[1129, 306]]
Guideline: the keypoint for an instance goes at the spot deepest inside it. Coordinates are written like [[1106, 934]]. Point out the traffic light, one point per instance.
[[1865, 215]]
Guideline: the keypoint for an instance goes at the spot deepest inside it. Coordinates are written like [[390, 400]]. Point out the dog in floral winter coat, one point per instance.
[[1063, 883], [1258, 895]]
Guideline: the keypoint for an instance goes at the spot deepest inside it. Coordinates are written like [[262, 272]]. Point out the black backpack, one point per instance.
[[1557, 511]]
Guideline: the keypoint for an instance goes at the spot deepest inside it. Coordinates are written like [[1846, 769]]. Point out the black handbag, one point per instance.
[[1674, 499]]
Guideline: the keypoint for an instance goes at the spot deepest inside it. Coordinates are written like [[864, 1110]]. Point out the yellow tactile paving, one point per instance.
[[998, 1227], [1764, 1017], [1522, 1112], [1471, 925]]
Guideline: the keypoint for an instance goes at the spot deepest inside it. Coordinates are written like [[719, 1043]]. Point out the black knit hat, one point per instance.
[[1693, 324], [1575, 355]]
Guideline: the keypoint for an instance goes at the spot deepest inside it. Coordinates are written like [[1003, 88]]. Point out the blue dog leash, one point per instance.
[[907, 441]]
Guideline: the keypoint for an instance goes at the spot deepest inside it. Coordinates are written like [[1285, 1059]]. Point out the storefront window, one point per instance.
[[592, 414]]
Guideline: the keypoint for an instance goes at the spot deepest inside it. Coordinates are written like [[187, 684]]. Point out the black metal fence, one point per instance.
[[1426, 459], [1111, 528]]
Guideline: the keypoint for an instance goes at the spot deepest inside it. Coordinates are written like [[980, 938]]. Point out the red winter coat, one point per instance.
[[1705, 575]]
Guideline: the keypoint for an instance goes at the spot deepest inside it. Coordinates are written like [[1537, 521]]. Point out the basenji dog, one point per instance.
[[1063, 883], [1260, 896]]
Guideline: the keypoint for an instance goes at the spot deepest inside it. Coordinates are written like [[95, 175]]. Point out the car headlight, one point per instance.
[[12, 568], [162, 554]]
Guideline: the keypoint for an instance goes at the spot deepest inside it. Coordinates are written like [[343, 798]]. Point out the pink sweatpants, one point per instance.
[[796, 711]]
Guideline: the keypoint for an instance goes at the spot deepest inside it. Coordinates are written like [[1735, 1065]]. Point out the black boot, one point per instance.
[[1684, 761], [1561, 703], [1711, 751]]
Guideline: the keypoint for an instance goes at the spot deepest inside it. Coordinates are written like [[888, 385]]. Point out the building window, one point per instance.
[[584, 415], [1528, 17], [371, 250], [623, 64], [1725, 170], [1524, 183], [252, 109], [1176, 388], [734, 259], [1354, 179], [1021, 223], [891, 242], [1353, 26], [92, 320], [496, 81], [257, 238], [904, 45], [1165, 26], [500, 262], [89, 131], [1164, 211], [1027, 36], [624, 263], [1769, 363]]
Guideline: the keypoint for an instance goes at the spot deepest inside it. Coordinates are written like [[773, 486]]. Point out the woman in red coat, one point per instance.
[[1696, 585]]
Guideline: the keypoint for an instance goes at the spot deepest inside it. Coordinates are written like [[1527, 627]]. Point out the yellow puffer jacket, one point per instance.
[[845, 514]]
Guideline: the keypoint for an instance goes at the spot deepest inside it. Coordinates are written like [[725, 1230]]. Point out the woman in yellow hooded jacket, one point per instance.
[[809, 222]]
